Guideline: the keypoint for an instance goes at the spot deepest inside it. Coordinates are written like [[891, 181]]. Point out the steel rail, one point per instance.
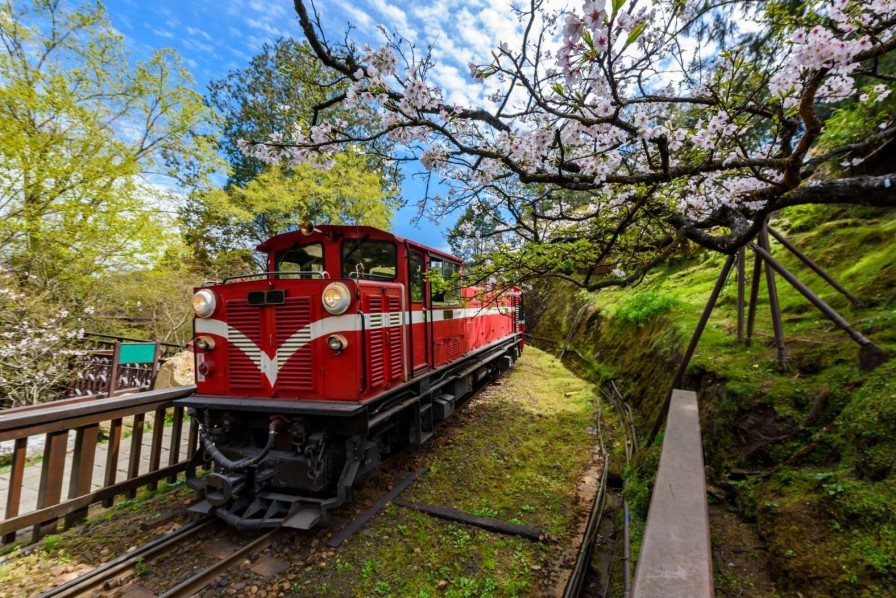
[[196, 582], [120, 565]]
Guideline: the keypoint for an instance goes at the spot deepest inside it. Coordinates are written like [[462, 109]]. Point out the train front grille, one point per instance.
[[244, 334], [294, 356]]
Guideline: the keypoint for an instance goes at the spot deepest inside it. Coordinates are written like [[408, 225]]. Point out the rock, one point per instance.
[[443, 584], [176, 371]]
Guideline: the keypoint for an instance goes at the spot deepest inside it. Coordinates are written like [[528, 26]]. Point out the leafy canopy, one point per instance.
[[90, 143]]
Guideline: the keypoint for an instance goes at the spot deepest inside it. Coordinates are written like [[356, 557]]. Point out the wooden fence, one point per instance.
[[83, 417]]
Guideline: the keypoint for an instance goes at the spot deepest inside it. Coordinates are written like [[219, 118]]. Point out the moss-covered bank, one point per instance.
[[805, 454]]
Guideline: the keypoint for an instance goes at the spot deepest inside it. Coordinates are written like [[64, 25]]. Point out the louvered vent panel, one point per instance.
[[455, 347], [243, 334], [396, 350], [294, 357], [377, 342]]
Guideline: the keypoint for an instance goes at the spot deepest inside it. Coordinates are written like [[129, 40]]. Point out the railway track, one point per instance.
[[126, 564]]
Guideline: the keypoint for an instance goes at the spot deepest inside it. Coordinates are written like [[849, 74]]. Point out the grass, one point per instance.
[[479, 466]]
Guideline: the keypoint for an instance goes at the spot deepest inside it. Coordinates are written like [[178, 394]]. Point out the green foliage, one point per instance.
[[474, 234], [278, 90], [644, 306], [280, 198], [82, 127], [51, 542]]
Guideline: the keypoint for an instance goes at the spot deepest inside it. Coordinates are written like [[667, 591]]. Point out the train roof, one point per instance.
[[333, 232]]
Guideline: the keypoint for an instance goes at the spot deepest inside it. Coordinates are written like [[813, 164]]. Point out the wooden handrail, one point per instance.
[[56, 421], [676, 557]]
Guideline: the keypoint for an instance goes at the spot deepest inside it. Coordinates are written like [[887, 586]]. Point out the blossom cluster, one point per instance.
[[34, 336], [608, 98]]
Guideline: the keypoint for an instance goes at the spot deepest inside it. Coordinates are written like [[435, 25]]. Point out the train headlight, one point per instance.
[[336, 298], [337, 343], [204, 303]]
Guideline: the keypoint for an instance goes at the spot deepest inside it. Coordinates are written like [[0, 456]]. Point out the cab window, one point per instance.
[[371, 260], [444, 279], [304, 261], [416, 278]]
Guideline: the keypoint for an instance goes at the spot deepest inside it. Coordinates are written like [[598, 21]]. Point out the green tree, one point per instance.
[[281, 197], [285, 85], [91, 142]]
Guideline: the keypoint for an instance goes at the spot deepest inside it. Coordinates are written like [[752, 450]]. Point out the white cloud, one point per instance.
[[395, 18], [199, 32]]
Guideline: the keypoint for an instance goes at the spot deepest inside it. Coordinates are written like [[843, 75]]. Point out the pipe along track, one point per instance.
[[576, 583]]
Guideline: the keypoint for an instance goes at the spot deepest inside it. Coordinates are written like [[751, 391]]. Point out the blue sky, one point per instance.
[[216, 36]]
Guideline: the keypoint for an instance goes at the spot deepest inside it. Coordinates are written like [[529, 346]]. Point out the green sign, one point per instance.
[[137, 353]]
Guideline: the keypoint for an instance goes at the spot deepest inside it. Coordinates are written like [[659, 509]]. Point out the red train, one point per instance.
[[354, 343]]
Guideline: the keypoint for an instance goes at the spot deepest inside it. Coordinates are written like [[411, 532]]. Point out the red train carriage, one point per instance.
[[352, 344]]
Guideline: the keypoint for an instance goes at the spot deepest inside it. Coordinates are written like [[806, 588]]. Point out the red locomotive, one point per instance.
[[354, 343]]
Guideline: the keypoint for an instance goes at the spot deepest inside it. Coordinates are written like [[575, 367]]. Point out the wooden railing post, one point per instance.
[[49, 492], [112, 457], [16, 480], [136, 450], [81, 478]]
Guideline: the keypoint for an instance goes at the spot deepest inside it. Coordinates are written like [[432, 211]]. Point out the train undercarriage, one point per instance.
[[269, 463]]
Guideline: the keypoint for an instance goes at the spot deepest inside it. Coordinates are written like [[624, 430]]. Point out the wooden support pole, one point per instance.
[[136, 450], [741, 284], [774, 304], [870, 355], [174, 448], [815, 267], [155, 451], [112, 385], [754, 296], [686, 359]]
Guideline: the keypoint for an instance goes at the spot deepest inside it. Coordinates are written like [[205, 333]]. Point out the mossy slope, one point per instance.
[[806, 452]]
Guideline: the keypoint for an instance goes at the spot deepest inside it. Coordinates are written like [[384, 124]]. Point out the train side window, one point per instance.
[[303, 260], [415, 277], [371, 260], [444, 280]]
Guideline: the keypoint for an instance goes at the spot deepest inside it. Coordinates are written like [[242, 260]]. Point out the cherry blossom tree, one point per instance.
[[36, 337], [615, 132]]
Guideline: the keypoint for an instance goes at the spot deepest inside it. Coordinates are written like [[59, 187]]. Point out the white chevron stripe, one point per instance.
[[325, 327]]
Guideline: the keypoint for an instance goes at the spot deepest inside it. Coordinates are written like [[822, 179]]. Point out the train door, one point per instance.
[[418, 311]]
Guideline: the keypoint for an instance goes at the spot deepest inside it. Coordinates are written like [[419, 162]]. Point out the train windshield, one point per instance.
[[305, 261], [374, 260]]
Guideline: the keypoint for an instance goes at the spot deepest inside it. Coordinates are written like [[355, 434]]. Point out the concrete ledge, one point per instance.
[[675, 557]]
